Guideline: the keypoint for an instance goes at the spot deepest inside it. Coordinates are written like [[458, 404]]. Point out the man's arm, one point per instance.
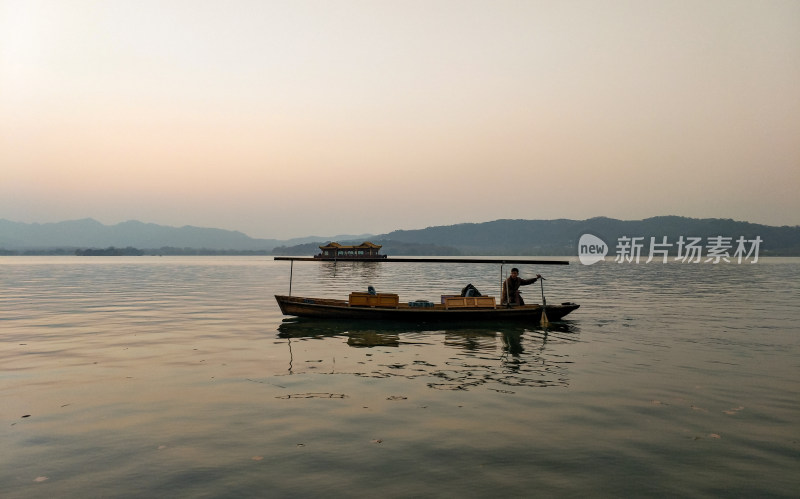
[[525, 282]]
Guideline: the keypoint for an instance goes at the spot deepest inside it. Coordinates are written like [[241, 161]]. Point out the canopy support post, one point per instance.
[[291, 270], [501, 284]]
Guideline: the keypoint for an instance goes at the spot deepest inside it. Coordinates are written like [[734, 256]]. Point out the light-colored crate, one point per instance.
[[378, 300], [470, 302]]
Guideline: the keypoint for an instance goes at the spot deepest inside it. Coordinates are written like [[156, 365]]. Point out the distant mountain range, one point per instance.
[[500, 237], [89, 233], [560, 237]]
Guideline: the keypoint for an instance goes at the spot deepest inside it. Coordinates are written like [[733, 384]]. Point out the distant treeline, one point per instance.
[[110, 251], [38, 252], [167, 250], [130, 251]]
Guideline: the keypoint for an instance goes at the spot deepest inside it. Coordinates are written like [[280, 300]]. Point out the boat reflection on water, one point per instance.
[[473, 354], [358, 334], [372, 339], [301, 327]]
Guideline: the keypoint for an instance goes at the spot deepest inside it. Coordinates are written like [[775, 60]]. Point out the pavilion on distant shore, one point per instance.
[[335, 251]]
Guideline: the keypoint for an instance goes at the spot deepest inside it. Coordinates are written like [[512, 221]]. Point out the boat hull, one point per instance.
[[320, 308]]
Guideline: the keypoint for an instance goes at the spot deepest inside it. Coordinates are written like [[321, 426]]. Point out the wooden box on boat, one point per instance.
[[469, 302], [445, 297], [378, 300]]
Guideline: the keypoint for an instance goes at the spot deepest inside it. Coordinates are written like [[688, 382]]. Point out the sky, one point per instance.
[[294, 118]]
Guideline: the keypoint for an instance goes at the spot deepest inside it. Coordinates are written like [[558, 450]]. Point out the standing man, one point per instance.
[[511, 295]]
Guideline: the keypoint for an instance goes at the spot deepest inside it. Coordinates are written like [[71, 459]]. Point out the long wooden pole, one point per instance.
[[502, 283], [519, 261]]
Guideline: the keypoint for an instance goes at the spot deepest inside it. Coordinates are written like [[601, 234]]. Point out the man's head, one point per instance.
[[515, 272]]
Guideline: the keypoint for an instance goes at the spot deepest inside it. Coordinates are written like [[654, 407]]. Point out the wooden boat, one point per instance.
[[326, 308], [387, 307]]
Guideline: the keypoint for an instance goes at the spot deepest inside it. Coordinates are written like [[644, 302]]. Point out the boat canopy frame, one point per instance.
[[501, 261]]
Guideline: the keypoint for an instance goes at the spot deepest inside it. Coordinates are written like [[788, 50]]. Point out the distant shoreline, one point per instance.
[[512, 237], [133, 252]]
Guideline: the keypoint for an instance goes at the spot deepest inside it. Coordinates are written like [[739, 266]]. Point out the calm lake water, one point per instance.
[[178, 377]]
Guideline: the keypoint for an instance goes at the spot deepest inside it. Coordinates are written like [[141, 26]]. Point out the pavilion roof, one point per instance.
[[364, 245]]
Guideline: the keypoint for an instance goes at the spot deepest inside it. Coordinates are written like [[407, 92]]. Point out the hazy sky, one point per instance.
[[291, 118]]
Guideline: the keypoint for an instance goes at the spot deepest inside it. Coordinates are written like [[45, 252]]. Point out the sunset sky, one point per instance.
[[293, 118]]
